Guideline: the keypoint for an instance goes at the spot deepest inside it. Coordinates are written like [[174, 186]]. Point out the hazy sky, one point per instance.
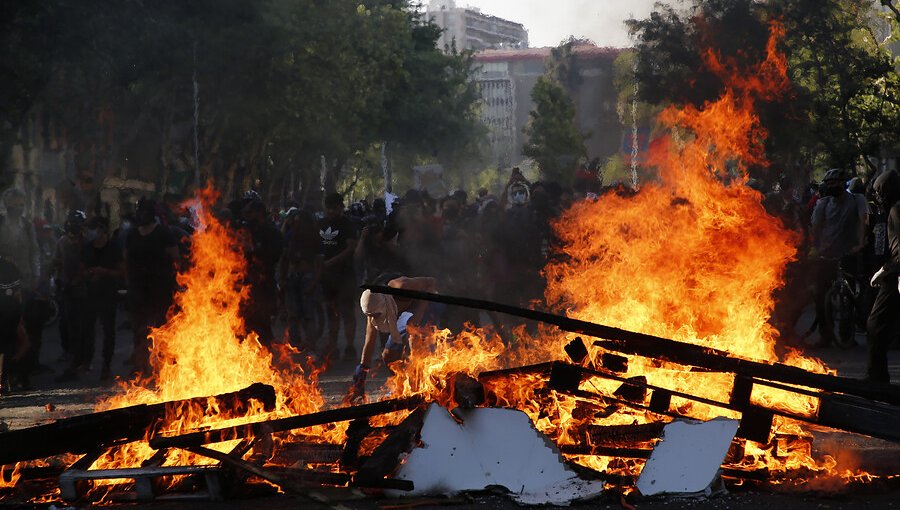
[[550, 21]]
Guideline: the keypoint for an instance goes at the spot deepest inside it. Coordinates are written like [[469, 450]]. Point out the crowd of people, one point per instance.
[[305, 265]]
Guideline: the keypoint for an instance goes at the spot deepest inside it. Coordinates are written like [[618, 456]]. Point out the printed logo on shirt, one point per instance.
[[328, 235]]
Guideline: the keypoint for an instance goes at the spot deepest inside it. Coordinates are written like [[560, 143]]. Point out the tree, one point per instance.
[[282, 83], [840, 110], [554, 141]]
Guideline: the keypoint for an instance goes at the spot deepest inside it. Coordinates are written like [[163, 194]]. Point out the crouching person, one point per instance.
[[385, 314]]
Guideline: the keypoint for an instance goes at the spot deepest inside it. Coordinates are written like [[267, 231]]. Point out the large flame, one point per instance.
[[204, 350], [691, 256]]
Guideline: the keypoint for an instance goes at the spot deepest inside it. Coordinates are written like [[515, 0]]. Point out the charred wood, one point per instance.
[[630, 342], [634, 390], [357, 431], [606, 451], [309, 477], [309, 453], [638, 433], [285, 424], [385, 459], [88, 432], [467, 392], [538, 368], [576, 350]]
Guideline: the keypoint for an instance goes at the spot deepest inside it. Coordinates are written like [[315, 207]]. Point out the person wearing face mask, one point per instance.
[[72, 291], [150, 255], [385, 315], [883, 325], [839, 222], [103, 267]]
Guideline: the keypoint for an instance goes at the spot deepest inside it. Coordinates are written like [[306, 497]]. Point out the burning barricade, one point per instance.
[[683, 388]]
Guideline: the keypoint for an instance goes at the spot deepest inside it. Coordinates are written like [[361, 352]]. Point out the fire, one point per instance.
[[9, 475], [203, 349], [691, 256]]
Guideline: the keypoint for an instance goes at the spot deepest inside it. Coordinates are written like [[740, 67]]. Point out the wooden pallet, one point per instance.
[[75, 482]]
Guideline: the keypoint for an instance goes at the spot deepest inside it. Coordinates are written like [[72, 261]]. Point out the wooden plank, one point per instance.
[[309, 453], [605, 451], [265, 474], [630, 342], [285, 424], [88, 432], [526, 369], [310, 477], [854, 414], [386, 457], [642, 432], [466, 391]]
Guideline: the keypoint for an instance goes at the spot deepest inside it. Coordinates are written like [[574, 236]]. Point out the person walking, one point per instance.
[[883, 325]]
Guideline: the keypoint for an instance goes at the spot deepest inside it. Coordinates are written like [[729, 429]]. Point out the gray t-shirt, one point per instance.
[[838, 222]]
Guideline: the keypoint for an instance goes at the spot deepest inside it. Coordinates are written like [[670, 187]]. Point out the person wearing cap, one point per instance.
[[839, 222], [385, 314], [103, 267], [72, 292], [151, 252]]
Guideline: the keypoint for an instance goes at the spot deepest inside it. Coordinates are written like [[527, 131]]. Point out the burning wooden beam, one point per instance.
[[843, 412], [537, 368], [81, 434], [641, 344], [284, 424], [466, 391], [386, 457]]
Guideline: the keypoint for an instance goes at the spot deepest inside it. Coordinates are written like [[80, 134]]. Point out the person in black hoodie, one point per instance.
[[884, 322]]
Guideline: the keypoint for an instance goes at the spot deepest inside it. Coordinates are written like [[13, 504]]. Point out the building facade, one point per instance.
[[469, 29], [506, 78]]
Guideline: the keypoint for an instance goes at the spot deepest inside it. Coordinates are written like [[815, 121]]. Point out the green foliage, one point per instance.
[[846, 75], [554, 141], [281, 84], [841, 109]]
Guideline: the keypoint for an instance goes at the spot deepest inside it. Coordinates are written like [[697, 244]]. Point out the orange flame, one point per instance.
[[692, 256], [203, 349]]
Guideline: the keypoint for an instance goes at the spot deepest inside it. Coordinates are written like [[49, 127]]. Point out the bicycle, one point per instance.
[[842, 307]]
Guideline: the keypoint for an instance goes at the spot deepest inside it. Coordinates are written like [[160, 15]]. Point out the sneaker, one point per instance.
[[350, 354]]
